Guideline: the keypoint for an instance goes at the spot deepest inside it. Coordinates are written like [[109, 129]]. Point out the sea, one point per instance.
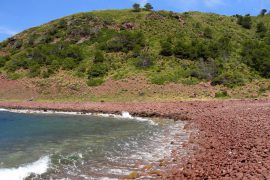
[[70, 145]]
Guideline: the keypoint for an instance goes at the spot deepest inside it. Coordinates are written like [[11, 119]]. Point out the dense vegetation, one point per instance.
[[163, 46]]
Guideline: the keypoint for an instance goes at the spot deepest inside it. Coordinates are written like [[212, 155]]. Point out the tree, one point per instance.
[[263, 12], [148, 7], [136, 7]]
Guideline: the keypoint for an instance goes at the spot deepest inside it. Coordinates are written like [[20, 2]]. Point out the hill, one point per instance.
[[141, 52]]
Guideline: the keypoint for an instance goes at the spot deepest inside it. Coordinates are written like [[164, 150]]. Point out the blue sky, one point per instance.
[[18, 15]]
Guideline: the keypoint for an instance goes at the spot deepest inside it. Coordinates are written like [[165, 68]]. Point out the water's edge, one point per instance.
[[123, 115], [41, 166]]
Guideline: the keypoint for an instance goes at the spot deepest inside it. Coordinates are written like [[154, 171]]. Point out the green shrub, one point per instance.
[[208, 33], [104, 35], [68, 64], [171, 76], [17, 45], [160, 79], [52, 31], [205, 70], [125, 41], [98, 70], [47, 73], [55, 65], [190, 81], [11, 66], [262, 90], [43, 39], [2, 61], [16, 62], [99, 57], [34, 71], [95, 81], [261, 28], [221, 94], [30, 41], [137, 51], [62, 24], [14, 76], [245, 21], [183, 49], [81, 68], [230, 79], [166, 48], [54, 55], [144, 61], [256, 54]]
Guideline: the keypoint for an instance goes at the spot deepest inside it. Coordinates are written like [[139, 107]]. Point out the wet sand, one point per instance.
[[233, 141]]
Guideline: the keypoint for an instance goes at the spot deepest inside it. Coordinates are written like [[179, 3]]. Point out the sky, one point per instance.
[[18, 15]]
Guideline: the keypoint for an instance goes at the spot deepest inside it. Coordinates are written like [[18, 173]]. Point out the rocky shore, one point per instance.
[[233, 140]]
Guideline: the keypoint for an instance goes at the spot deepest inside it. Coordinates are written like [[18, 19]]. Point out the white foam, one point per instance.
[[124, 115], [27, 111], [38, 167]]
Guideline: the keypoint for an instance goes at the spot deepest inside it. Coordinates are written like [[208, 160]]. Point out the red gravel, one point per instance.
[[234, 138]]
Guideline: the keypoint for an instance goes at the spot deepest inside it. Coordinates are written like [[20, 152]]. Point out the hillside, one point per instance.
[[115, 53]]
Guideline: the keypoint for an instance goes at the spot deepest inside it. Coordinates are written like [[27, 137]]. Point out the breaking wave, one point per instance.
[[38, 167]]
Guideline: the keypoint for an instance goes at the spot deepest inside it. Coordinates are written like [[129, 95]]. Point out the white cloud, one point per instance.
[[7, 31]]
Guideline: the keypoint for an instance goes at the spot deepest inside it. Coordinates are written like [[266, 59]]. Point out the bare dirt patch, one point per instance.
[[65, 87]]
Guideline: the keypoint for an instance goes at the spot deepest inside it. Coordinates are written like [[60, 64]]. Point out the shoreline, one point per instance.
[[233, 139], [144, 171], [122, 115]]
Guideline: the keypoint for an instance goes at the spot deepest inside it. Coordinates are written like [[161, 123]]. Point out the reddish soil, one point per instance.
[[233, 140], [63, 86], [10, 89], [67, 87]]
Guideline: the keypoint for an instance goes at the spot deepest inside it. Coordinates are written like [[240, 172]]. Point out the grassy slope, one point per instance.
[[155, 28]]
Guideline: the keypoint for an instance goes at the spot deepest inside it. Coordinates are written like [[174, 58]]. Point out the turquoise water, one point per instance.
[[68, 146]]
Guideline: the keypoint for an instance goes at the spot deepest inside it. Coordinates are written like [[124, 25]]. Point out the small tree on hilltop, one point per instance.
[[148, 7], [136, 7], [263, 12]]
